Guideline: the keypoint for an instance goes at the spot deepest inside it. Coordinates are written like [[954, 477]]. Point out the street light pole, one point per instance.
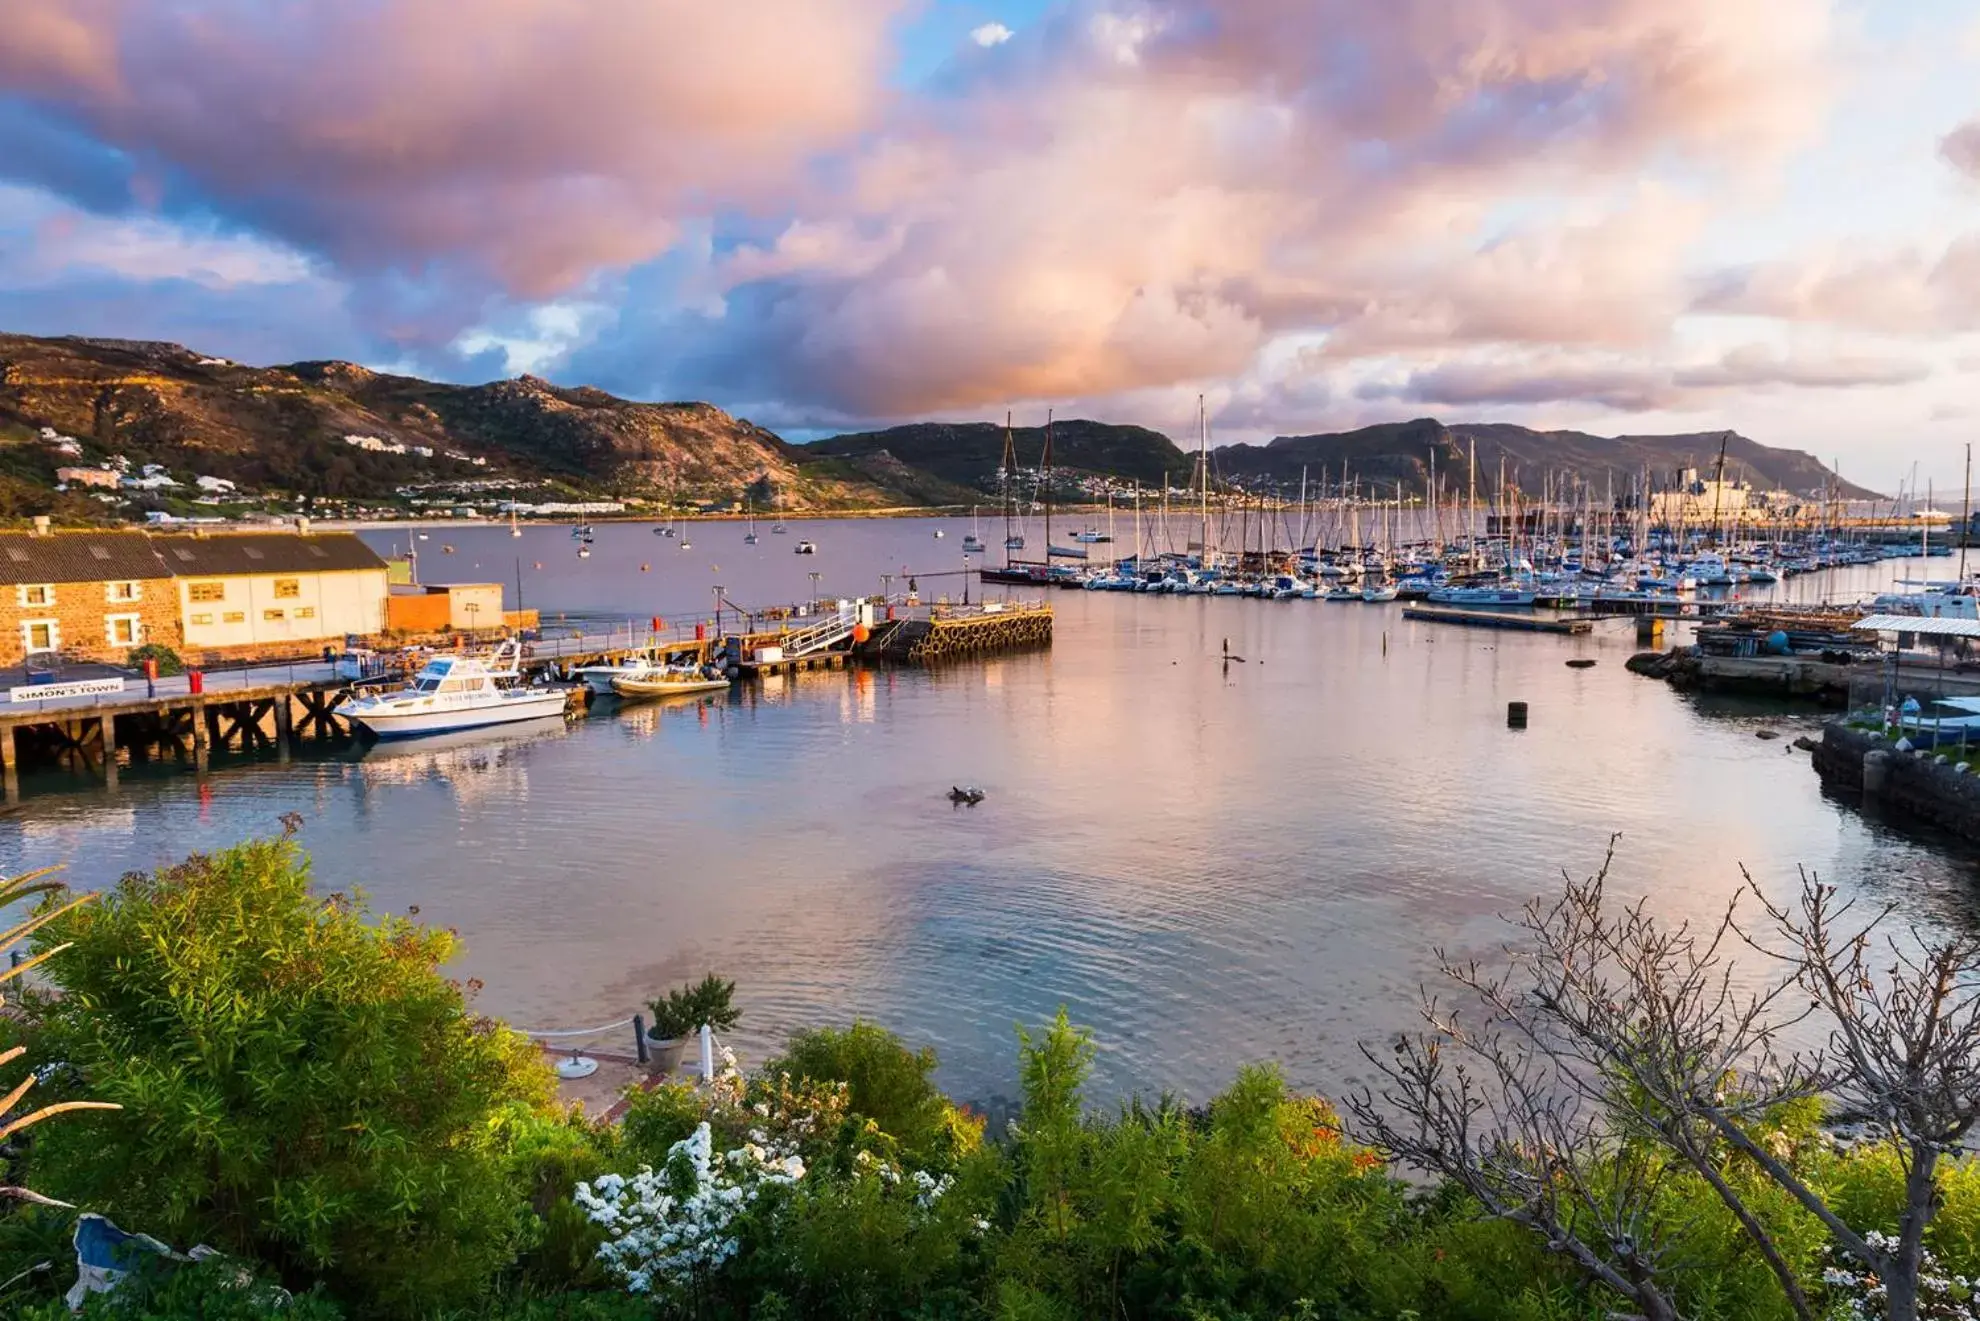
[[717, 589]]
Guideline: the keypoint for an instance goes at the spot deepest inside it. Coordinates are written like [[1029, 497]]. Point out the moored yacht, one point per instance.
[[457, 692]]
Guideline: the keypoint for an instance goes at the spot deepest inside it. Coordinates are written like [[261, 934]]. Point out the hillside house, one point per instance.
[[82, 595], [103, 477], [274, 591]]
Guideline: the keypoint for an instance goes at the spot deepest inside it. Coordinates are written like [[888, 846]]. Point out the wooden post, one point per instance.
[[9, 771], [283, 726], [202, 739], [639, 1037], [108, 721]]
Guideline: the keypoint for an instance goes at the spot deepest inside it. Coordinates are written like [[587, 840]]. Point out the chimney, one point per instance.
[[302, 526], [41, 525]]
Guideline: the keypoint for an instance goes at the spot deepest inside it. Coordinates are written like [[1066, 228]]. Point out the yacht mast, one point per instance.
[[1203, 496]]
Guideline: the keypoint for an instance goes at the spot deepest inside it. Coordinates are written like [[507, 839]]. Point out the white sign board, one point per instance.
[[49, 692]]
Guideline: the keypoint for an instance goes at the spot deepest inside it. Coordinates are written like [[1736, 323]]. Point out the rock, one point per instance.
[[1767, 733], [1581, 663], [1806, 744]]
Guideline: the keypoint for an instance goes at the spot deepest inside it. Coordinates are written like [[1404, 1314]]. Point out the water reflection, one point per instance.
[[1209, 864]]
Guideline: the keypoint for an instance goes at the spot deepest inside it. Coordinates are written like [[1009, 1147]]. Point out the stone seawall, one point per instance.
[[1926, 785]]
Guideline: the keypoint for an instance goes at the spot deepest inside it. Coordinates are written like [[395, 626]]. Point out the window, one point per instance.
[[37, 594], [234, 617], [40, 635], [206, 591], [271, 616], [123, 630], [201, 619], [126, 591], [306, 612], [288, 589]]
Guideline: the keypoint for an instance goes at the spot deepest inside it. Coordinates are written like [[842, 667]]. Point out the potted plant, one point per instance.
[[679, 1014]]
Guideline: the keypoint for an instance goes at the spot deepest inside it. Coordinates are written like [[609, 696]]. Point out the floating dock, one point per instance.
[[1492, 619]]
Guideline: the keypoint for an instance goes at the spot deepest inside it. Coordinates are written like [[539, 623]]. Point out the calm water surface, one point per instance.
[[1208, 864]]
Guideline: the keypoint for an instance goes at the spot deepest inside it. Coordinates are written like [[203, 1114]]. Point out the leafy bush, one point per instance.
[[168, 660], [682, 1012], [301, 1085], [888, 1084], [211, 1291]]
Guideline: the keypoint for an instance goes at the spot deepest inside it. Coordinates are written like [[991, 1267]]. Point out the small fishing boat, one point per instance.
[[584, 550], [777, 529], [457, 692], [1377, 593], [939, 534], [667, 681], [749, 538], [973, 539], [598, 678], [804, 548]]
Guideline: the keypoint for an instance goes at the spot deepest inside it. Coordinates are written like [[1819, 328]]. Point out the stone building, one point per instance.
[[85, 595]]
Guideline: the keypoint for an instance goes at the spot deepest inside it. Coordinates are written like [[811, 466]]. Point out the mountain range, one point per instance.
[[341, 432]]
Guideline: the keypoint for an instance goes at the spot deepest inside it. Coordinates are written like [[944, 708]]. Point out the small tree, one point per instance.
[[299, 1084], [1616, 1050], [14, 890]]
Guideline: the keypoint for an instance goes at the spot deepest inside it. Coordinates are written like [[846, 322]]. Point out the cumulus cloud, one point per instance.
[[1904, 290], [1635, 385], [1961, 148], [530, 141], [1149, 198]]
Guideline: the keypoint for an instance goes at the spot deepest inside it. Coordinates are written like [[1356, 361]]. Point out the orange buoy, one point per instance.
[[644, 567], [860, 633]]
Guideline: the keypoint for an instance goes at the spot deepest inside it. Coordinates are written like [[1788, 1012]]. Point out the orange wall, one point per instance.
[[426, 612]]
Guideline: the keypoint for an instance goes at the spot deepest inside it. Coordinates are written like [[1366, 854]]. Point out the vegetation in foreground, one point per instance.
[[302, 1088]]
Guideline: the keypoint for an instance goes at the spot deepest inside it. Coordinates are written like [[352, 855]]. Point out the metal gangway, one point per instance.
[[823, 635]]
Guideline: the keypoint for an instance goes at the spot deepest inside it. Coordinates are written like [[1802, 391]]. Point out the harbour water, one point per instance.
[[1208, 863]]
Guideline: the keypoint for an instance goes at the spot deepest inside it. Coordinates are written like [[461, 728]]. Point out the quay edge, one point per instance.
[[1925, 785]]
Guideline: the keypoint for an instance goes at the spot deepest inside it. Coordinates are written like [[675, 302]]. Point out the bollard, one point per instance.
[[1876, 771], [639, 1037], [1649, 631], [1515, 715], [195, 682], [707, 1053]]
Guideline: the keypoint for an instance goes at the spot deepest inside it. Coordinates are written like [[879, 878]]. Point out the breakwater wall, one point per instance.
[[1930, 786]]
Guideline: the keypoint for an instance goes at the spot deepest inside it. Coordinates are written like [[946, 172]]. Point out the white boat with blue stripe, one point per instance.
[[457, 692]]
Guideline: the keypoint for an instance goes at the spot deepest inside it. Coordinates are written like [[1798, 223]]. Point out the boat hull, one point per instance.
[[389, 724], [631, 688]]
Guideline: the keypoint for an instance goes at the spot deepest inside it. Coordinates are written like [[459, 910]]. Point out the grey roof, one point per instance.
[[78, 557], [263, 552], [1941, 626]]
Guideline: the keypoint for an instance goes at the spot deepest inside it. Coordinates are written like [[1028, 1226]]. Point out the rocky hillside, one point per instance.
[[1401, 452], [968, 454], [285, 428]]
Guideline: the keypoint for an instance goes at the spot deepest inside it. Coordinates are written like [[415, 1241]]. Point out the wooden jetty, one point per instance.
[[1491, 619], [90, 723], [178, 723]]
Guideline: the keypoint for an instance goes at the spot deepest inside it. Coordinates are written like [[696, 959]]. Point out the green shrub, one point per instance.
[[889, 1084], [300, 1085], [208, 1291], [168, 660]]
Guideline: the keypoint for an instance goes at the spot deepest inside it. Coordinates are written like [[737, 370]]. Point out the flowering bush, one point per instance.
[[667, 1229], [1860, 1296]]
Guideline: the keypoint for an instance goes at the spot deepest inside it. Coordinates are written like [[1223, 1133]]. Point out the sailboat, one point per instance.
[[515, 529], [973, 540], [1013, 524], [749, 538]]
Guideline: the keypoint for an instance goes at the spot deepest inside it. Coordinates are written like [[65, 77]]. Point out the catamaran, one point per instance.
[[458, 692]]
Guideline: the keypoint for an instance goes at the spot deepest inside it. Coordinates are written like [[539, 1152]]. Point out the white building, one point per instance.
[[267, 589], [213, 484]]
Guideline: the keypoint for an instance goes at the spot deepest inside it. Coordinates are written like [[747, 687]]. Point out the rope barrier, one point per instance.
[[581, 1032]]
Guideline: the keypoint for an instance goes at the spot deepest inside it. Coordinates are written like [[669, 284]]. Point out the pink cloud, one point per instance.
[[1961, 148], [535, 139], [1904, 291]]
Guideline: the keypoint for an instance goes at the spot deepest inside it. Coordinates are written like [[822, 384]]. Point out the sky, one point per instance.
[[1621, 216]]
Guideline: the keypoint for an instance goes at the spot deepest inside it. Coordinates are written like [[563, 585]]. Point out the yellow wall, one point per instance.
[[487, 599], [327, 605]]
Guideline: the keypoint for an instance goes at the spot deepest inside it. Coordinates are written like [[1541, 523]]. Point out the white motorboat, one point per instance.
[[598, 678], [939, 534], [457, 692], [804, 548], [1378, 593], [666, 681]]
